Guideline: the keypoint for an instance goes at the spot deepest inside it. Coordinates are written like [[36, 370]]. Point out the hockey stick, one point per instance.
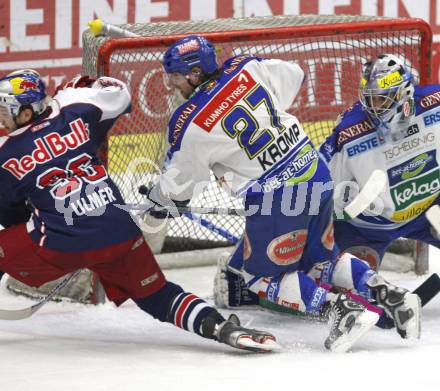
[[29, 311], [375, 185], [212, 227], [428, 289]]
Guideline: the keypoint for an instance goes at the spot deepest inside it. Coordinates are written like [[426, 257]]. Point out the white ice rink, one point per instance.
[[70, 347]]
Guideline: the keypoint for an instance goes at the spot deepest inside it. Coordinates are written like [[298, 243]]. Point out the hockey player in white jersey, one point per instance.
[[235, 123], [393, 127]]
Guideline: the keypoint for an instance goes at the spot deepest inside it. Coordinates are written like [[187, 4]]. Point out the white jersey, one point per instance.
[[238, 127], [355, 149]]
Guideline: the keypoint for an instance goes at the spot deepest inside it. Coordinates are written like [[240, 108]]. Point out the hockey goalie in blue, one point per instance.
[[235, 122]]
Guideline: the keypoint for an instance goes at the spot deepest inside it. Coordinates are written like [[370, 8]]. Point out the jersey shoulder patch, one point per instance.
[[217, 102], [353, 124], [179, 123], [234, 64], [426, 97]]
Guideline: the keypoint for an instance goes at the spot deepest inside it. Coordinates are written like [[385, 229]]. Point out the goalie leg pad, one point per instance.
[[295, 290], [230, 288]]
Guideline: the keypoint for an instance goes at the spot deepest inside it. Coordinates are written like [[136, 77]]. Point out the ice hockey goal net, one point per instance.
[[330, 49]]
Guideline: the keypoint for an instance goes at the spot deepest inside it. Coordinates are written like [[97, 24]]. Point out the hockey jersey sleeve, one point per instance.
[[339, 169], [12, 209], [107, 94], [186, 171], [284, 78]]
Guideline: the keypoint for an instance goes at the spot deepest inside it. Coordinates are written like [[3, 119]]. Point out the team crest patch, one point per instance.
[[288, 248]]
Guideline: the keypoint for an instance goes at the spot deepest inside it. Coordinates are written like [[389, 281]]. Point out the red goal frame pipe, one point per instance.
[[282, 32]]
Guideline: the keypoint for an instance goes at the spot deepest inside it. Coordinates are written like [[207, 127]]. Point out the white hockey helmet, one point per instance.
[[387, 90]]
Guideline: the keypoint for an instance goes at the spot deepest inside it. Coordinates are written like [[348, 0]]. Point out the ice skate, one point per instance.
[[401, 305], [349, 321]]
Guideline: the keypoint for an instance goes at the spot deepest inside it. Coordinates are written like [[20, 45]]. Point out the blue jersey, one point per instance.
[[409, 158], [53, 166]]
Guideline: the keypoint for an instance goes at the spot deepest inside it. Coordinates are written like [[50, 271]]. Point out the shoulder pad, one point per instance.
[[235, 63], [352, 124]]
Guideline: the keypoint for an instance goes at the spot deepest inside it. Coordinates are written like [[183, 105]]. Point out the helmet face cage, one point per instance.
[[189, 52], [23, 89], [385, 86]]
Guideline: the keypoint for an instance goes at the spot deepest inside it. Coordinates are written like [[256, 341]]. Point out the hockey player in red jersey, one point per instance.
[[236, 123], [50, 172]]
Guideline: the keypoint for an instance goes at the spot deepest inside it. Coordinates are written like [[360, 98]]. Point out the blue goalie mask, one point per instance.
[[189, 52], [23, 88], [387, 91]]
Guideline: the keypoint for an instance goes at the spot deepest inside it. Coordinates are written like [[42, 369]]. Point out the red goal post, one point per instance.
[[330, 49]]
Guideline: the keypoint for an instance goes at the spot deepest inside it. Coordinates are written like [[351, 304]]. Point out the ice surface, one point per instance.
[[70, 347]]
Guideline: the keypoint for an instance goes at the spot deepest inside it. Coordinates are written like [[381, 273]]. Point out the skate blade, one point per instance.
[[413, 326], [269, 345], [364, 322]]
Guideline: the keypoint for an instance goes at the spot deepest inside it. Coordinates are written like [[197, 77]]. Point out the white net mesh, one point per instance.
[[330, 49]]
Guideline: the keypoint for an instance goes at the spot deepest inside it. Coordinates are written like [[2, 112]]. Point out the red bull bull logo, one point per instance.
[[20, 85], [28, 84]]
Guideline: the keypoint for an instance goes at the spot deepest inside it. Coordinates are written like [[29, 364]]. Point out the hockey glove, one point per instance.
[[76, 82], [162, 206], [231, 333]]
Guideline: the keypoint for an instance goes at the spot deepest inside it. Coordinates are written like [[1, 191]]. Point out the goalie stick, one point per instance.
[[29, 311]]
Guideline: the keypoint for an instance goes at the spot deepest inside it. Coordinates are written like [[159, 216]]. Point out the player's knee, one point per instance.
[[159, 303], [367, 254], [351, 273]]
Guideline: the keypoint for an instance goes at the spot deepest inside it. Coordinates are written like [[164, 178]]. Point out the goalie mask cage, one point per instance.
[[330, 49]]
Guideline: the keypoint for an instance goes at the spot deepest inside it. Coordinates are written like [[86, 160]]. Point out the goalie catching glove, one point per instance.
[[162, 207]]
